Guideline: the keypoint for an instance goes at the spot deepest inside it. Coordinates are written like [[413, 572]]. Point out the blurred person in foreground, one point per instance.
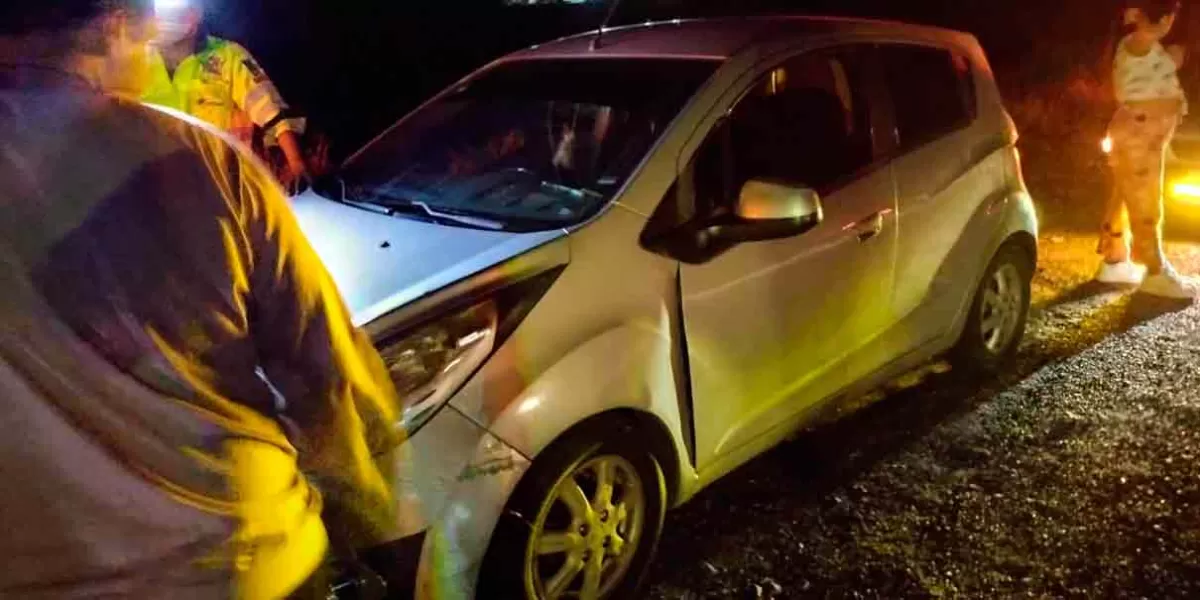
[[1151, 103], [219, 82], [153, 281]]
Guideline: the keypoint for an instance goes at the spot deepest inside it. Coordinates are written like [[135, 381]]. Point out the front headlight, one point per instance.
[[431, 351], [431, 363]]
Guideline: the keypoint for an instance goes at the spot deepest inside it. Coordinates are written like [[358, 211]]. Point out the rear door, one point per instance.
[[939, 185]]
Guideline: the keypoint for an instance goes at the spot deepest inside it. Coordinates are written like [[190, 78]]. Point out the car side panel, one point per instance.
[[945, 190], [600, 340], [935, 200], [944, 228], [907, 345], [772, 326], [936, 323], [1017, 216]]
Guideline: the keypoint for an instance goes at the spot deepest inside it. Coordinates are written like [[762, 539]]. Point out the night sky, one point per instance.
[[355, 67]]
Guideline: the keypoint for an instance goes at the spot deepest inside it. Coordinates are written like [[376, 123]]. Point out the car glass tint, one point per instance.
[[805, 123], [932, 92], [535, 144]]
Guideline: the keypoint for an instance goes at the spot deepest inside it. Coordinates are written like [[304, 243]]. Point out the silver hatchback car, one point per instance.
[[607, 270]]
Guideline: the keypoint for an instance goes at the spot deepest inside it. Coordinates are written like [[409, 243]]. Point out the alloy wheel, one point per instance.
[[1000, 310], [587, 531]]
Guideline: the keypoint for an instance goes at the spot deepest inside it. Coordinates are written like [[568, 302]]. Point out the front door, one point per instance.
[[775, 326]]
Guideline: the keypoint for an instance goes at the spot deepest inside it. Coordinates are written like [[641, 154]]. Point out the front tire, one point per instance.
[[584, 522], [998, 314]]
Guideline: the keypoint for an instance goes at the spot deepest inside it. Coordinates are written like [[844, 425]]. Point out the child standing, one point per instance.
[[1151, 103]]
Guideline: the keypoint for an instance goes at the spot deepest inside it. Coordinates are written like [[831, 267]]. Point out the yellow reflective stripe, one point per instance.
[[293, 125], [262, 112], [261, 105], [159, 88], [258, 94]]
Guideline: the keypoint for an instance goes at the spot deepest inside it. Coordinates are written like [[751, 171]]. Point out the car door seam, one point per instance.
[[683, 381]]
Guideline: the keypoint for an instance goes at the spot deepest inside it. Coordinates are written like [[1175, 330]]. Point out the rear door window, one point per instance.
[[932, 92]]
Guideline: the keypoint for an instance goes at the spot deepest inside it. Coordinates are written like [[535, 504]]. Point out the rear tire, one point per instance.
[[998, 314], [601, 540]]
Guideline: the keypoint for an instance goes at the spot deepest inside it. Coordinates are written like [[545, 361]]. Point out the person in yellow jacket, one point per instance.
[[186, 400], [219, 82]]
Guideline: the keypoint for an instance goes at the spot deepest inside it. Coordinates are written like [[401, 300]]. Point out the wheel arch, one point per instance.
[[630, 421], [508, 543], [1019, 237], [1025, 241], [622, 375]]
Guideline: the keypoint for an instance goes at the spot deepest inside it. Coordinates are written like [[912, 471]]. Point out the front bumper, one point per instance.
[[453, 479], [458, 538]]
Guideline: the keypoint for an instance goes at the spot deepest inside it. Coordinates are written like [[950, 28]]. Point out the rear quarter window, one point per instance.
[[932, 91]]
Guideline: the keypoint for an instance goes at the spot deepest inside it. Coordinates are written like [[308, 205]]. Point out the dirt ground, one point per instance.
[[1075, 474]]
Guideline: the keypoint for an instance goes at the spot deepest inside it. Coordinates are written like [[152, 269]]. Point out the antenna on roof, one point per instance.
[[612, 10]]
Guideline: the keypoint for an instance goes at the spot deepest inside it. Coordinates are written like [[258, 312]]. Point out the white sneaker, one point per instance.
[[1123, 273], [1169, 284]]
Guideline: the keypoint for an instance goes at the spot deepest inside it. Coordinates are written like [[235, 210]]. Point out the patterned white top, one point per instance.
[[1152, 76]]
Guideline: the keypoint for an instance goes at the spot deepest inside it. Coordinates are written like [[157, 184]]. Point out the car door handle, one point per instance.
[[869, 227]]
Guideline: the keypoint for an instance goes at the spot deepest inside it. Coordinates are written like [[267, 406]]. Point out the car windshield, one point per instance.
[[527, 145]]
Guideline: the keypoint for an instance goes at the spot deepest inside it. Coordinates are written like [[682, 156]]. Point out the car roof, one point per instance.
[[719, 39]]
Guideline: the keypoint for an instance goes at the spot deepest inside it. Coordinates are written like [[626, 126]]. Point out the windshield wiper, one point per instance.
[[402, 204], [486, 185], [382, 202]]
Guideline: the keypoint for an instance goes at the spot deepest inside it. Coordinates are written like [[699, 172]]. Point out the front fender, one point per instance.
[[625, 367]]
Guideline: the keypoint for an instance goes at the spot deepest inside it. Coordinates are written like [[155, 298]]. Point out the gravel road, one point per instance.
[[1073, 475]]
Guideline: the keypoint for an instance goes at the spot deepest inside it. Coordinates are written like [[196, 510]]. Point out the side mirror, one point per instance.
[[766, 201], [763, 211], [769, 211]]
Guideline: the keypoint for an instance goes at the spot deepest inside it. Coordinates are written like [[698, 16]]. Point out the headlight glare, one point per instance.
[[1188, 189]]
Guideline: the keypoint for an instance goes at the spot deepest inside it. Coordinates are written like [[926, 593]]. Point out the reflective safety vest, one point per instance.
[[220, 84]]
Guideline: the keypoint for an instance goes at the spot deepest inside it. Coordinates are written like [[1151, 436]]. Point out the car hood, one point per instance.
[[382, 262]]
